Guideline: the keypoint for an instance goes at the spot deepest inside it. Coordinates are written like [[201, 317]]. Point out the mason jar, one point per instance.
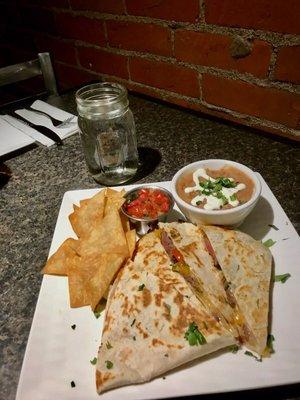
[[107, 132]]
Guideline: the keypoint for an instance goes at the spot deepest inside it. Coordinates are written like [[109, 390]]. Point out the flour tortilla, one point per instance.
[[143, 335], [246, 265]]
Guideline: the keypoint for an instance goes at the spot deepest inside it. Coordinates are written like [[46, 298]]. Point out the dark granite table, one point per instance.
[[169, 138]]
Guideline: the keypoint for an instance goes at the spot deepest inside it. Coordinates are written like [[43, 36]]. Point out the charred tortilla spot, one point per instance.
[[135, 276], [125, 330], [158, 297], [147, 298], [141, 330], [102, 378], [157, 342], [108, 321], [125, 354]]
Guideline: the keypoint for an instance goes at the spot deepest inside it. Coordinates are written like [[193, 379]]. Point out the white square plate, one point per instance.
[[56, 354]]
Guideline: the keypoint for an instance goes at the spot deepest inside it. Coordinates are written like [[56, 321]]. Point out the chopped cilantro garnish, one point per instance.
[[248, 353], [141, 287], [109, 364], [234, 348], [273, 226], [132, 323], [269, 243], [93, 361], [281, 278], [270, 341], [73, 384], [233, 197], [108, 345], [194, 336], [73, 327], [134, 338]]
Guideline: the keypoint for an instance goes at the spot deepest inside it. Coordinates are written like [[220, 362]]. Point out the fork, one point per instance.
[[56, 123]]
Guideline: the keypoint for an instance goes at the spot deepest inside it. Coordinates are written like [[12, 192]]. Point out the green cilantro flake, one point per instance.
[[97, 314], [281, 278], [134, 338], [270, 341], [248, 353], [233, 197], [73, 327], [269, 243], [108, 345], [93, 361], [141, 287], [194, 336], [132, 323], [109, 364], [234, 348], [73, 384]]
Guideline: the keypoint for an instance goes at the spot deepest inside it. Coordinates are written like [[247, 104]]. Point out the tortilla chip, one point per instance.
[[114, 200], [131, 241], [88, 215], [109, 265], [108, 237], [58, 262], [77, 277]]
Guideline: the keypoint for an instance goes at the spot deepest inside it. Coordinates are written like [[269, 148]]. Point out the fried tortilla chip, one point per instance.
[[77, 278], [131, 240], [98, 284], [108, 237], [114, 200], [58, 262], [88, 215]]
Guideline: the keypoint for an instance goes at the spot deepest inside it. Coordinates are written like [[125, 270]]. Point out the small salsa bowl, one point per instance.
[[146, 224], [231, 217]]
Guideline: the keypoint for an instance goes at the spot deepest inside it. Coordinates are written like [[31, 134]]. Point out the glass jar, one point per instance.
[[107, 131]]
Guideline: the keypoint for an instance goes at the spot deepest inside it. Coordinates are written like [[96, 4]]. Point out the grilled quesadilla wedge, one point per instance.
[[246, 265], [187, 248], [153, 322]]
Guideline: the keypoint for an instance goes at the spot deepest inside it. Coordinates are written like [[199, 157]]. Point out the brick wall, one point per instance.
[[234, 59]]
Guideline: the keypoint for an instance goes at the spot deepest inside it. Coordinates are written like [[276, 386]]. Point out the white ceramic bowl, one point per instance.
[[232, 217]]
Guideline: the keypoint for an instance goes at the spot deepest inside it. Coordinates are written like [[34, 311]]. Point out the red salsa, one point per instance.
[[147, 203]]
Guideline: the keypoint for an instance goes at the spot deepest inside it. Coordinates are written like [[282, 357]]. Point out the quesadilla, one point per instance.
[[231, 273], [154, 322], [246, 265]]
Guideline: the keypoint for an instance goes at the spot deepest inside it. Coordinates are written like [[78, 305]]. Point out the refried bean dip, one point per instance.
[[217, 189]]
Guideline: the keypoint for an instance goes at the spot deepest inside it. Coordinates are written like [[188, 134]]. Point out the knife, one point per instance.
[[41, 128]]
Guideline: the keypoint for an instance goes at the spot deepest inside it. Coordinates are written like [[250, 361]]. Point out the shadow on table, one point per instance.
[[149, 159], [5, 175]]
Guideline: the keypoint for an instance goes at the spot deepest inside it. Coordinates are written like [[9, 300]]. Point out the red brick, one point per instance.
[[80, 28], [165, 76], [171, 10], [103, 6], [214, 50], [103, 62], [148, 38], [268, 103], [59, 50], [288, 64], [276, 15], [69, 77]]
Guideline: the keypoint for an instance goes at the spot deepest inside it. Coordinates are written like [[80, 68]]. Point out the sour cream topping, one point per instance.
[[216, 195]]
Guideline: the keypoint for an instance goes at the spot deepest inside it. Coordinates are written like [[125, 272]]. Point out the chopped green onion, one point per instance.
[[281, 278], [234, 348], [141, 287], [134, 338], [269, 243], [97, 314], [132, 323], [233, 197], [93, 361], [109, 364], [108, 345]]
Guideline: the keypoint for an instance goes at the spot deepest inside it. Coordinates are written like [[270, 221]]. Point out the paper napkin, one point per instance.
[[12, 138]]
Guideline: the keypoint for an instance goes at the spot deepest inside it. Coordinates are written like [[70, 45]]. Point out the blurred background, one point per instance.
[[234, 59]]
